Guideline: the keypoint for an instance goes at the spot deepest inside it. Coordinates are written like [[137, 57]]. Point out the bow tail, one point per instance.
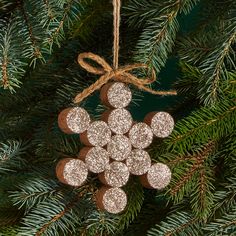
[[141, 84], [92, 88]]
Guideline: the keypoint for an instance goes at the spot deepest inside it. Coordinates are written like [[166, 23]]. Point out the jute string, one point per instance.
[[116, 73]]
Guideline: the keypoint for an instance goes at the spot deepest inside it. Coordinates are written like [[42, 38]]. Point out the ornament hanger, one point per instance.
[[122, 74]]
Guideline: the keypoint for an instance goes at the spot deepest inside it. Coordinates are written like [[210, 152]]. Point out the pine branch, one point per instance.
[[11, 65], [98, 223], [202, 194], [189, 170], [225, 199], [202, 125], [141, 11], [135, 200], [36, 54], [214, 67], [55, 34], [158, 36], [226, 225], [34, 191], [228, 152], [189, 80], [55, 216], [194, 49], [157, 40], [179, 223], [8, 231], [10, 156]]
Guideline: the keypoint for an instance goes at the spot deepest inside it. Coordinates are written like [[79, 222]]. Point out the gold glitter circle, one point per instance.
[[119, 147], [116, 174], [97, 159], [75, 172], [78, 120], [159, 176], [138, 162], [162, 124], [98, 133], [114, 200], [120, 121], [119, 95], [140, 135]]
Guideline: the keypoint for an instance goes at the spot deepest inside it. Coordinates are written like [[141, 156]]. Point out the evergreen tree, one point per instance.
[[39, 43]]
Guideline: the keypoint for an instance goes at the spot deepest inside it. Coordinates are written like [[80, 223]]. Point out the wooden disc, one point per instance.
[[157, 177], [115, 175], [72, 171], [96, 158], [113, 200], [161, 123], [138, 162], [98, 134], [140, 135], [116, 95], [74, 120]]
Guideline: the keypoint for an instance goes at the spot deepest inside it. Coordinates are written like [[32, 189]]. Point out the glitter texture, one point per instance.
[[159, 176], [120, 121], [138, 162], [140, 135], [114, 200], [119, 147], [162, 124], [119, 95], [78, 120], [75, 172], [97, 159], [98, 133], [116, 174]]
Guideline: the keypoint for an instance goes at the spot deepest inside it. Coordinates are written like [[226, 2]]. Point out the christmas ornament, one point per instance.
[[114, 146]]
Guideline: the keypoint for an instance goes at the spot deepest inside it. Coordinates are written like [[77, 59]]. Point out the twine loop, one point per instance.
[[117, 73]]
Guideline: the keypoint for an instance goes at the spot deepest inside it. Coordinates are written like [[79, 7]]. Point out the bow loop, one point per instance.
[[105, 67]]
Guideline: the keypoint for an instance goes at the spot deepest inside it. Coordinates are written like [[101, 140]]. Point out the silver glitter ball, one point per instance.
[[138, 162], [97, 159], [75, 172], [120, 121], [116, 174], [140, 135], [78, 120], [98, 133], [119, 147], [119, 95], [159, 176], [162, 124], [114, 200]]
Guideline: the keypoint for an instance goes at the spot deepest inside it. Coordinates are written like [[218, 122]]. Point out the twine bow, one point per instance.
[[120, 74], [116, 73]]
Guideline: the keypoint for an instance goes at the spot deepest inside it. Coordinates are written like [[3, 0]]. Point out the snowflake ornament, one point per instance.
[[114, 147]]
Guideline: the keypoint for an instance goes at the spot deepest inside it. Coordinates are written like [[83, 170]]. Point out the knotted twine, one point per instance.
[[115, 73]]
